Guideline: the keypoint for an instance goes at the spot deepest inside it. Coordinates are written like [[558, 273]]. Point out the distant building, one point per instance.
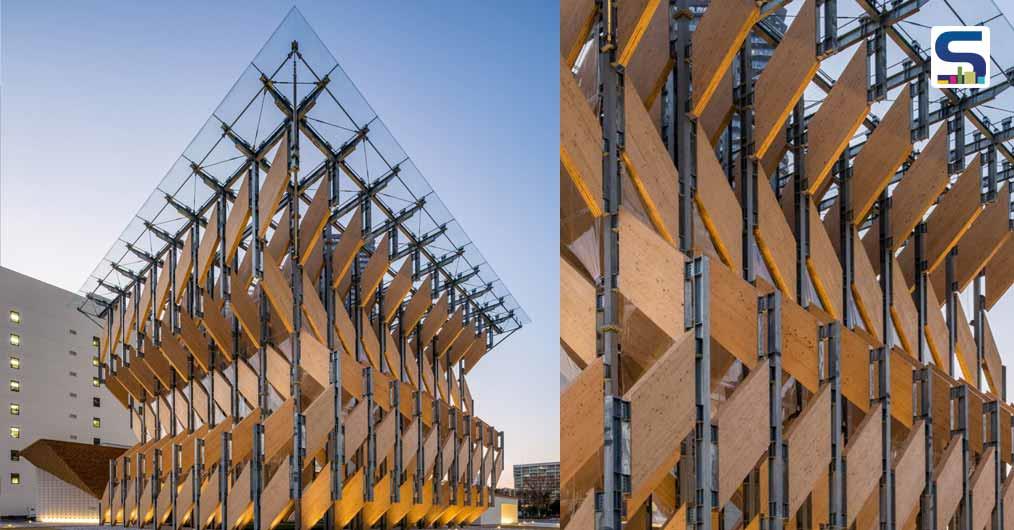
[[540, 478], [50, 390]]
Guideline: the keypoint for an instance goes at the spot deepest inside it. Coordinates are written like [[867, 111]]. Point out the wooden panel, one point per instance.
[[275, 501], [273, 186], [311, 224], [982, 483], [902, 366], [348, 247], [161, 291], [278, 292], [993, 365], [1008, 500], [884, 152], [718, 205], [809, 442], [775, 239], [238, 218], [824, 267], [652, 274], [194, 340], [436, 318], [863, 470], [966, 353], [746, 416], [580, 142], [948, 479], [649, 167], [978, 245], [208, 245], [662, 409], [733, 314], [910, 471], [782, 82], [184, 266], [397, 289], [799, 342], [374, 271], [216, 326], [581, 428], [1000, 274], [936, 329], [419, 303], [921, 185], [838, 118], [718, 113], [720, 33], [576, 18], [951, 218], [903, 311], [866, 290]]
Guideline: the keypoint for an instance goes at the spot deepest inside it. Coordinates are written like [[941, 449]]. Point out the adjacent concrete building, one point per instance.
[[50, 384]]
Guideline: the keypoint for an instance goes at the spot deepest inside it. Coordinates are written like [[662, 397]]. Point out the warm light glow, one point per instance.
[[508, 513], [70, 520], [15, 317], [15, 340]]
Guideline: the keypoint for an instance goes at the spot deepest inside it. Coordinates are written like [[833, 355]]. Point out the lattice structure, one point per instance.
[[290, 319], [760, 322]]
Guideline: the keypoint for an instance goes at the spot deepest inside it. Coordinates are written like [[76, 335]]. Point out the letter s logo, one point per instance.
[[960, 57]]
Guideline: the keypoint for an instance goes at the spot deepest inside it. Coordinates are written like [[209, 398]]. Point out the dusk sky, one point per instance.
[[100, 98]]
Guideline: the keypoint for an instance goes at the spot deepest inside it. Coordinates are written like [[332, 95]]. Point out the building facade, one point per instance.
[[543, 476], [50, 384]]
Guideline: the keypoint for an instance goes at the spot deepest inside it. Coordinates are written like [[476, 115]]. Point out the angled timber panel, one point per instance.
[[580, 142], [745, 416], [993, 365], [782, 82], [272, 187], [910, 471], [824, 267], [718, 206], [662, 408], [775, 239], [948, 479], [903, 311], [581, 428], [652, 274], [720, 33], [650, 168], [647, 64], [982, 483], [809, 442], [863, 467], [885, 150], [733, 314], [999, 273], [866, 290], [841, 114], [576, 19]]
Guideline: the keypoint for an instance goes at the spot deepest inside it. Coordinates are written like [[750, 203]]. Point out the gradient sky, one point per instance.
[[100, 98]]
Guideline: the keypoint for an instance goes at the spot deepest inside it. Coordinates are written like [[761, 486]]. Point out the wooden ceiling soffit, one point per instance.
[[884, 152], [952, 217], [652, 171], [782, 82], [838, 118], [719, 35], [999, 273], [863, 472], [809, 442], [747, 412], [978, 245], [718, 206], [576, 20], [580, 143]]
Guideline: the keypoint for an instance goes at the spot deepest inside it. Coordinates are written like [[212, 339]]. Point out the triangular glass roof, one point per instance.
[[335, 112]]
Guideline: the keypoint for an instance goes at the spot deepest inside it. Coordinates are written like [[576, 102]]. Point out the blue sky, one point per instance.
[[99, 99]]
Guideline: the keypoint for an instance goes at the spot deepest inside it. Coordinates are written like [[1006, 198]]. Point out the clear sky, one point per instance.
[[100, 98]]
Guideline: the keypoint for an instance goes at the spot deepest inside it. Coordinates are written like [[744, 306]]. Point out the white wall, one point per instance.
[[54, 403]]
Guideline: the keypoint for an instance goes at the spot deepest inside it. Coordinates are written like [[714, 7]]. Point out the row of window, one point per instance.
[[15, 409], [15, 361], [15, 432], [15, 385]]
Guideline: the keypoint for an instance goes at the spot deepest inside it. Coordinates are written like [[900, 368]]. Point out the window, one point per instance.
[[72, 332], [96, 402], [95, 341], [15, 317], [72, 353], [73, 394], [15, 409], [15, 455], [15, 432], [95, 360], [15, 385], [73, 437], [15, 478], [15, 363], [97, 441], [96, 422], [15, 339], [73, 373], [73, 416], [95, 381]]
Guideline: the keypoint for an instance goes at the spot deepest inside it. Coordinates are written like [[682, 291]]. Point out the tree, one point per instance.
[[537, 495]]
